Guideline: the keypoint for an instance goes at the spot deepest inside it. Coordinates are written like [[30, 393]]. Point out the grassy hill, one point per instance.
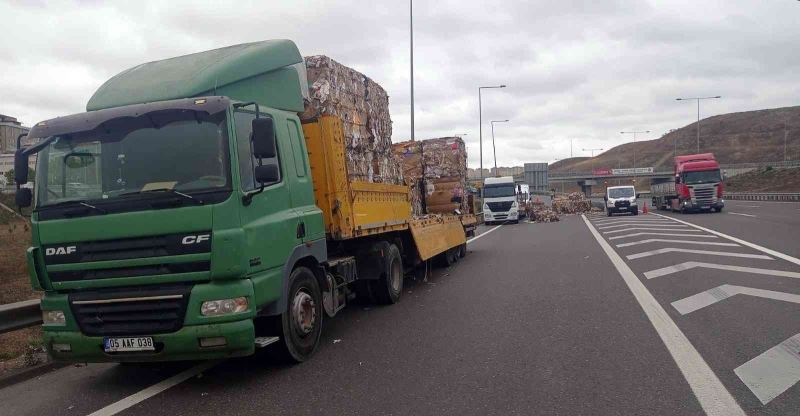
[[765, 180], [750, 136]]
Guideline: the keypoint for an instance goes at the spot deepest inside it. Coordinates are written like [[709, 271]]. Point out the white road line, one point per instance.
[[666, 240], [648, 229], [712, 395], [774, 371], [744, 215], [750, 206], [153, 390], [771, 252], [712, 296], [607, 227], [627, 219], [688, 250], [667, 234], [696, 264], [481, 235]]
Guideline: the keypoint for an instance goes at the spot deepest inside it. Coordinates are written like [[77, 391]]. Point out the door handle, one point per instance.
[[301, 230]]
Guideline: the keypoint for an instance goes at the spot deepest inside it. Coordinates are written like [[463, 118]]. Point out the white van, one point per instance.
[[500, 200], [621, 199]]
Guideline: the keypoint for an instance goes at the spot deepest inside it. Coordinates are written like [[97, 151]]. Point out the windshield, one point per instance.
[[621, 193], [499, 191], [703, 176], [178, 150]]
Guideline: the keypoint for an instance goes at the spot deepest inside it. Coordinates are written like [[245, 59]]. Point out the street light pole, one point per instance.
[[698, 113], [634, 147], [494, 149], [411, 30], [480, 125], [592, 150]]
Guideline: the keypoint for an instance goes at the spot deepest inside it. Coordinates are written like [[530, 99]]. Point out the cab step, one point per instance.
[[262, 342]]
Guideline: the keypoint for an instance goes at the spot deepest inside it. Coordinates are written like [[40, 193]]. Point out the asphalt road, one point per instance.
[[537, 319]]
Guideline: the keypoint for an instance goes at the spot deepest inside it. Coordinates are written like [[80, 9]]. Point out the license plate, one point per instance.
[[128, 344]]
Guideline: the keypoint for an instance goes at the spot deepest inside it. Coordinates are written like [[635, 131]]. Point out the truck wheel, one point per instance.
[[388, 288], [301, 323], [462, 250], [718, 209], [635, 211], [608, 211]]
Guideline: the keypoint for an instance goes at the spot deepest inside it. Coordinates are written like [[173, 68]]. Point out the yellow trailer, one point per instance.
[[353, 209]]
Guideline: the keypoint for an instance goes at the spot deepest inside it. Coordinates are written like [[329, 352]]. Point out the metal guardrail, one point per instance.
[[20, 315], [763, 196], [732, 166]]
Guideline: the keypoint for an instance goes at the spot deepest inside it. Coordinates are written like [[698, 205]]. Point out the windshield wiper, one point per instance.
[[76, 202], [167, 191]]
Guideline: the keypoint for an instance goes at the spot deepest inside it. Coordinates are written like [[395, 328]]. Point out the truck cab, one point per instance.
[[500, 200], [621, 199], [698, 183]]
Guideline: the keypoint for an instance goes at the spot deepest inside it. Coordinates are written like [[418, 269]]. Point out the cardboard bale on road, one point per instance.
[[573, 203], [363, 107]]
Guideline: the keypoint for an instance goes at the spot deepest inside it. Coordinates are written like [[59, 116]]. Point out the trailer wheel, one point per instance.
[[301, 322], [388, 288]]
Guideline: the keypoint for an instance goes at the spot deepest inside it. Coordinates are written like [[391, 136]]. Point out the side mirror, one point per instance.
[[605, 197], [263, 138], [267, 174], [20, 167], [677, 179], [23, 197]]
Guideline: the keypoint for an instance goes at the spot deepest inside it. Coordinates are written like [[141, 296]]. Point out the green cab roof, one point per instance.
[[269, 72]]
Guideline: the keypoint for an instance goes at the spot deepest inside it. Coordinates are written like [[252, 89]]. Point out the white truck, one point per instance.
[[500, 200], [621, 199]]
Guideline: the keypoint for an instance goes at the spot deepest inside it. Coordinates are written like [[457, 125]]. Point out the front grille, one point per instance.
[[130, 311], [704, 196], [500, 206], [127, 248], [622, 204], [148, 270]]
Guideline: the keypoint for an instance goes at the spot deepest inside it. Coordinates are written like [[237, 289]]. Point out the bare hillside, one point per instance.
[[750, 136]]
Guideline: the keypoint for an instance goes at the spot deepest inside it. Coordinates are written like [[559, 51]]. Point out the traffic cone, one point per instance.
[[644, 209]]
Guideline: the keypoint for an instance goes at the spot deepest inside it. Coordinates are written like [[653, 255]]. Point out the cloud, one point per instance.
[[575, 70]]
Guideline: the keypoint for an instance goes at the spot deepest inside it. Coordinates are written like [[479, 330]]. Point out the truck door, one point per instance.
[[310, 226], [270, 221]]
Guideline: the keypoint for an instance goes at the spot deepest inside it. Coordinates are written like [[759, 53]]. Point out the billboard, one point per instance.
[[632, 171]]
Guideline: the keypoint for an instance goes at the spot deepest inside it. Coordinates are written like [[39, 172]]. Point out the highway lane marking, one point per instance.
[[710, 392], [607, 227], [667, 240], [692, 251], [771, 252], [696, 264], [649, 229], [627, 219], [711, 296], [667, 234], [481, 235], [774, 371], [750, 206], [155, 389], [744, 215]]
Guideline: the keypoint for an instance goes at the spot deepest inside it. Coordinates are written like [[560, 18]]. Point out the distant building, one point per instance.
[[501, 171], [10, 129]]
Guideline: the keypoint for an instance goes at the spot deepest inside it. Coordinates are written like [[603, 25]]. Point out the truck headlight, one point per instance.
[[486, 207], [223, 306], [55, 318], [514, 204]]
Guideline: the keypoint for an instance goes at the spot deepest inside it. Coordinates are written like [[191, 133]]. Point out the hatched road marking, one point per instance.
[[762, 249], [696, 264], [744, 215], [649, 229], [688, 250], [606, 227], [710, 393], [719, 293], [667, 234], [774, 371], [666, 240]]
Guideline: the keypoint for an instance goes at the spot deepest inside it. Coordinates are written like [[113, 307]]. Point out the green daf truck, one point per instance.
[[189, 214]]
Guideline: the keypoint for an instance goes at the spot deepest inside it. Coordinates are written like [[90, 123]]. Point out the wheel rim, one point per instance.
[[304, 313], [396, 278]]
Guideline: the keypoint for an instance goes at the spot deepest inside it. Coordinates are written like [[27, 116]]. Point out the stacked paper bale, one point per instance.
[[443, 161], [363, 107]]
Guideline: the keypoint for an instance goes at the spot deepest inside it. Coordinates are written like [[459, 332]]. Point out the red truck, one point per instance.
[[696, 186]]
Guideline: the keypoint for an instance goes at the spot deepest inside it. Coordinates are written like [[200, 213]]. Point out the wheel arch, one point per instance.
[[311, 255]]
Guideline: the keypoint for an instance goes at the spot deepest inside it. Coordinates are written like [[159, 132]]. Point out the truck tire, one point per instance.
[[389, 286], [608, 211], [462, 250], [718, 209], [301, 322]]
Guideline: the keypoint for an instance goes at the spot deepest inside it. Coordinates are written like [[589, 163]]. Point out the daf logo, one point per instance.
[[60, 251], [195, 239]]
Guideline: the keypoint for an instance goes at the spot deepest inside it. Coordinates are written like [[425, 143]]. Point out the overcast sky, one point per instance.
[[574, 69]]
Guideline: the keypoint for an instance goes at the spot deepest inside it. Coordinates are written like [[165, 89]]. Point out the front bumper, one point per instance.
[[694, 206], [183, 344], [500, 216]]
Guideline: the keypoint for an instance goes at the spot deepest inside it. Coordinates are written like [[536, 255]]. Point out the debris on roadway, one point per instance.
[[572, 203], [538, 212]]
